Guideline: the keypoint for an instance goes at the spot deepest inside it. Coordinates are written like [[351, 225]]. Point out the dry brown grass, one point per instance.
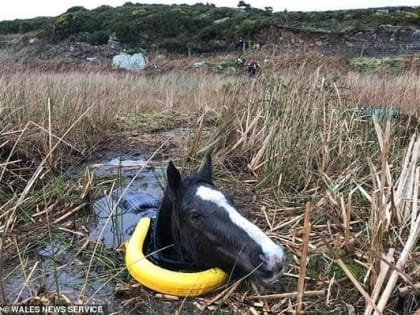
[[303, 138], [113, 102], [290, 137]]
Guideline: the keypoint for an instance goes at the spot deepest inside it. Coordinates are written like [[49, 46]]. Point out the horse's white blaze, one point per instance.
[[273, 252]]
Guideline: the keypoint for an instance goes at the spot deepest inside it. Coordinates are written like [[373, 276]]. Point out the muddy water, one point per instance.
[[46, 274], [138, 195], [57, 268]]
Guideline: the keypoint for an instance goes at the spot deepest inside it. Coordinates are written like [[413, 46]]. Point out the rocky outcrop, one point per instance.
[[387, 40]]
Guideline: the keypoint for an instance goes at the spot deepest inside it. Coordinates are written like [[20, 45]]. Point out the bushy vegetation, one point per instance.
[[179, 28], [369, 64], [23, 26]]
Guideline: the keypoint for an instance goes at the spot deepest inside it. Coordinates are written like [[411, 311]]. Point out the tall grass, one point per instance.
[[296, 130], [305, 137], [45, 104], [44, 116]]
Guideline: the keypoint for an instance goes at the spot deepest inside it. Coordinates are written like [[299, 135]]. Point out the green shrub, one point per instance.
[[146, 25], [370, 64], [76, 9], [174, 44], [97, 38]]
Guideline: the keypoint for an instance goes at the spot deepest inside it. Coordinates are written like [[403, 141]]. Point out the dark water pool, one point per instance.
[[119, 209], [60, 267]]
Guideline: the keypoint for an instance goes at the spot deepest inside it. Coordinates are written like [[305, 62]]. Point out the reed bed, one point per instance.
[[338, 187], [305, 139]]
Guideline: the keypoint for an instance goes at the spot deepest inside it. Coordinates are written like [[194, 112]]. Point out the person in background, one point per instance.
[[253, 67], [241, 46]]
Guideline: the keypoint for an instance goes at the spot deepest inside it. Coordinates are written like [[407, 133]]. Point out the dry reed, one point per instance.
[[298, 135]]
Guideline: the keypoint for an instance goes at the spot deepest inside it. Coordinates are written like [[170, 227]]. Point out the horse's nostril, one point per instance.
[[278, 268], [265, 271], [273, 264]]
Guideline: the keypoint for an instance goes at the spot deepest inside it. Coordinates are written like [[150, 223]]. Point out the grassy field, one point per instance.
[[299, 141]]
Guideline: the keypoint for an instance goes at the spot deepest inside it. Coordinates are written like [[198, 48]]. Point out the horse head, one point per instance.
[[203, 227]]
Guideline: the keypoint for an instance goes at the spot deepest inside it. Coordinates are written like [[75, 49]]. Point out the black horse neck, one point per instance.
[[163, 236], [167, 244]]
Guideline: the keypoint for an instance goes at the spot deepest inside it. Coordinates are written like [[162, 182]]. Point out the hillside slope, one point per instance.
[[204, 28]]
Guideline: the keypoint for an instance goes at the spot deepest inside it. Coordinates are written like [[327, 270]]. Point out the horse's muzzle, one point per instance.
[[271, 268]]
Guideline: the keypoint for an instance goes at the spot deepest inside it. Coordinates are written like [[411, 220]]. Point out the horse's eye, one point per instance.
[[195, 214]]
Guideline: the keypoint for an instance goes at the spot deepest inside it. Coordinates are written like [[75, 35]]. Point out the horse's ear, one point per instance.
[[205, 170], [174, 178]]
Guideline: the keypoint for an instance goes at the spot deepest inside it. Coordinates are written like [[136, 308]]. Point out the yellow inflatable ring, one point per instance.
[[163, 280]]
